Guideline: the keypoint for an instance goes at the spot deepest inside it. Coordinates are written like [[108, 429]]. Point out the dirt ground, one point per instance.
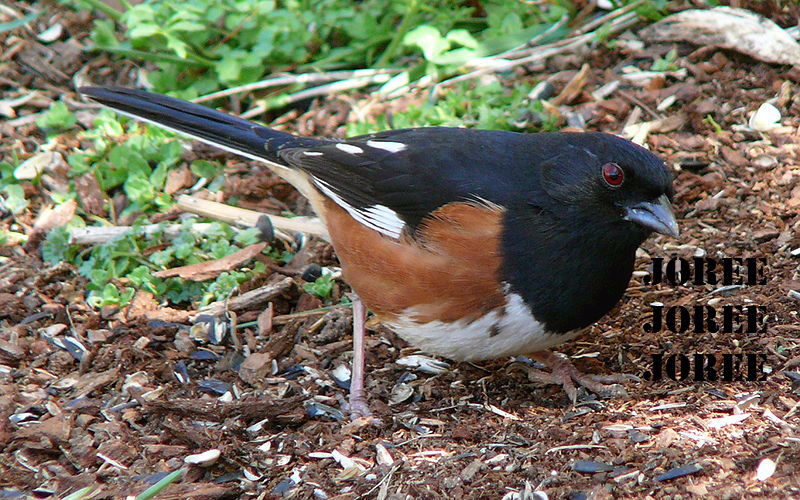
[[120, 419]]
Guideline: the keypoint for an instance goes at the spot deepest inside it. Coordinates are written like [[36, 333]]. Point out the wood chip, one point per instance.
[[718, 423], [90, 194], [178, 179], [212, 268], [573, 89], [470, 470]]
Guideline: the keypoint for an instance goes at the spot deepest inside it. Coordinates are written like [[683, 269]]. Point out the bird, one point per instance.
[[469, 244]]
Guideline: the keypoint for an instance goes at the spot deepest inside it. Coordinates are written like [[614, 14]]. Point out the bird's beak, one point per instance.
[[656, 215]]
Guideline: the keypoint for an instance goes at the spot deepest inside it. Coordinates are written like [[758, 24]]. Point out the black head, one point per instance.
[[610, 183], [569, 249]]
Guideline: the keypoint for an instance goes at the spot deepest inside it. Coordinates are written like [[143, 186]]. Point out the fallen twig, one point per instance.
[[249, 218], [290, 79], [104, 234], [251, 299], [327, 89]]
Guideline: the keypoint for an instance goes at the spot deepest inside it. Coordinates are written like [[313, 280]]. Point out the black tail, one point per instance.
[[204, 124]]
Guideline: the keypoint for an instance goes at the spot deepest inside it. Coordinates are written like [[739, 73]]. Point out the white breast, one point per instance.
[[510, 331]]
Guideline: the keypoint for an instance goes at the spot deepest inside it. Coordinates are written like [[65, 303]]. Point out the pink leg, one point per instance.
[[358, 401], [563, 372]]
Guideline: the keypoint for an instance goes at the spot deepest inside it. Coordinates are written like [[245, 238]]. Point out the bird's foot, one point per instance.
[[358, 406], [564, 373]]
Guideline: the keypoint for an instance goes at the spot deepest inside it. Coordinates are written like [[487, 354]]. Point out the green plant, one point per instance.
[[138, 167], [57, 118], [322, 286], [488, 106], [199, 46], [666, 63]]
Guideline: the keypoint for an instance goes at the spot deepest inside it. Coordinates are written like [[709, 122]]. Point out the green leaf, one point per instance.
[[163, 483], [177, 45], [206, 169], [428, 39], [230, 67], [14, 200], [140, 14], [139, 188], [248, 236], [56, 247], [58, 117], [322, 287], [463, 38], [187, 26], [103, 34], [144, 30]]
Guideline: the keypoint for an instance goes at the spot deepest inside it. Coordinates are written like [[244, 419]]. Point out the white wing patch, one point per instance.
[[377, 217], [349, 148], [390, 146], [312, 153]]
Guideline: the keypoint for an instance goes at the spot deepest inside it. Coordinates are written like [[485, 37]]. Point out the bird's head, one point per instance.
[[613, 184]]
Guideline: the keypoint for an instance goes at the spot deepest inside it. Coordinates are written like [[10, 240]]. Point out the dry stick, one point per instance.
[[591, 25], [242, 216], [206, 208], [98, 235], [291, 79], [327, 89], [249, 300]]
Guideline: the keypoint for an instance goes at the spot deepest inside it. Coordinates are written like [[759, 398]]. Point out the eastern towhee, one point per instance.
[[469, 244]]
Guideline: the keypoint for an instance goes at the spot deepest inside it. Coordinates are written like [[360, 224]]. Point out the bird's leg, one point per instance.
[[358, 401], [564, 373]]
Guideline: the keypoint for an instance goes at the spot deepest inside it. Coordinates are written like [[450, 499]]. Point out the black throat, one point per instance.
[[570, 275]]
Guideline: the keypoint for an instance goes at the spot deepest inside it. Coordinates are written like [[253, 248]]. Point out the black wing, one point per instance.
[[412, 172]]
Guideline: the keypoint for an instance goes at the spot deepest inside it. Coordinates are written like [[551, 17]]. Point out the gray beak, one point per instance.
[[656, 215]]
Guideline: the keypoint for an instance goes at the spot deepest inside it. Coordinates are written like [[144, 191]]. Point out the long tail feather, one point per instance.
[[199, 122]]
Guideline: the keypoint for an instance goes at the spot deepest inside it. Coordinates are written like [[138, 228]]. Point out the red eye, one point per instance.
[[613, 174]]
